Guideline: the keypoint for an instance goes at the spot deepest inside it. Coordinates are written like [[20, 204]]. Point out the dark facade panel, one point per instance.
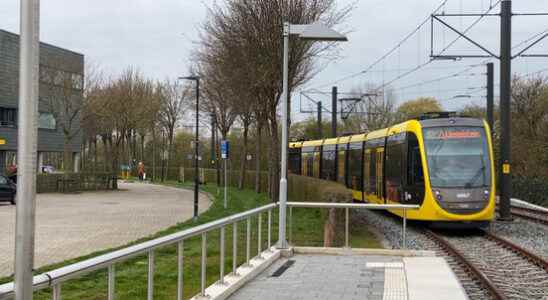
[[55, 63]]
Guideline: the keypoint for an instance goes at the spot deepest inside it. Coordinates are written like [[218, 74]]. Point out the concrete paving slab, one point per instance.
[[73, 225], [314, 276], [432, 278]]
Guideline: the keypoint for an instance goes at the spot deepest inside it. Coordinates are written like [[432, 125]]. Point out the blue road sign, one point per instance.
[[224, 149]]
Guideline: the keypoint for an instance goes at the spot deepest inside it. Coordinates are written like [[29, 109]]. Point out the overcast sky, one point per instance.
[[157, 36]]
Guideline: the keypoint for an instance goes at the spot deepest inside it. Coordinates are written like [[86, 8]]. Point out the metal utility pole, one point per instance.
[[490, 96], [196, 144], [196, 150], [213, 131], [334, 112], [26, 153], [319, 105], [505, 180]]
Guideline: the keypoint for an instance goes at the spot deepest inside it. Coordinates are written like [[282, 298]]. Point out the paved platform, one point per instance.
[[354, 277], [73, 225]]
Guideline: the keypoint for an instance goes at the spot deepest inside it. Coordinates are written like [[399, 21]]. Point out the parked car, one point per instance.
[[8, 189]]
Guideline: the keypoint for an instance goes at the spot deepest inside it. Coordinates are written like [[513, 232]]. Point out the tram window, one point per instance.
[[373, 172], [415, 174], [295, 161], [355, 165], [341, 163], [317, 163], [366, 167], [307, 161], [329, 156], [394, 166]]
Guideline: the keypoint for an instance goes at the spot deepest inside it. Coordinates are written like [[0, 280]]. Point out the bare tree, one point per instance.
[[64, 101], [172, 107], [247, 34]]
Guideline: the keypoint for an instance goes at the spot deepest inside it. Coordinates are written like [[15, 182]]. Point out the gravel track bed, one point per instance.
[[528, 234], [513, 274]]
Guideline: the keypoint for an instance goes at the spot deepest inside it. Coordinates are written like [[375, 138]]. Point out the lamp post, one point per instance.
[[310, 32], [26, 152], [196, 144]]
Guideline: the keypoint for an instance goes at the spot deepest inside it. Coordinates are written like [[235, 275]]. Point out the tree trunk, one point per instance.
[[258, 158], [153, 155], [105, 152], [142, 157], [274, 161], [95, 155], [67, 156], [243, 161], [169, 150], [115, 160]]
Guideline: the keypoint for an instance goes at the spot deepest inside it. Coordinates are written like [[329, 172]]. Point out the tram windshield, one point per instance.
[[457, 157]]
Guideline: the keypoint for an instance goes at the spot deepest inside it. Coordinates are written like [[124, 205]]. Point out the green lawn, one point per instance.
[[131, 276]]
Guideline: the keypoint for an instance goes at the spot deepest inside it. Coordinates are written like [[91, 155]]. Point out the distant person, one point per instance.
[[12, 173], [141, 171]]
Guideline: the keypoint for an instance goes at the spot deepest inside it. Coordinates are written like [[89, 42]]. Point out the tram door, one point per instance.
[[380, 173], [414, 183]]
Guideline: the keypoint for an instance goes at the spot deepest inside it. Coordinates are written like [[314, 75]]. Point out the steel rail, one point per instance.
[[447, 247], [535, 259], [530, 214], [58, 276]]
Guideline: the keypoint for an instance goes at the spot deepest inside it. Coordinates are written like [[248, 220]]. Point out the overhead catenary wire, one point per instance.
[[442, 51], [530, 39], [391, 51]]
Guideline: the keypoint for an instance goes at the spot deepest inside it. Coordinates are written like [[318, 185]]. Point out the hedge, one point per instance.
[[74, 182], [533, 190]]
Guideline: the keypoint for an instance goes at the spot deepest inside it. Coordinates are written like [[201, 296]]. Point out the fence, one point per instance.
[[55, 279], [347, 207]]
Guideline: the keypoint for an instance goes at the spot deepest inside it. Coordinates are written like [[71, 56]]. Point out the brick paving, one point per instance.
[[323, 277], [72, 225]]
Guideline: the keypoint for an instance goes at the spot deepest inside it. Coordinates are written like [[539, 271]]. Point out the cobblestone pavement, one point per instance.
[[321, 277], [72, 225]]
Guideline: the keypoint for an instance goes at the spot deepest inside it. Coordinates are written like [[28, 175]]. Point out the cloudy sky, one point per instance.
[[157, 36]]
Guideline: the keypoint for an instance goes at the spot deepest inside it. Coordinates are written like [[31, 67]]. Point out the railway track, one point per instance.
[[504, 270], [530, 214]]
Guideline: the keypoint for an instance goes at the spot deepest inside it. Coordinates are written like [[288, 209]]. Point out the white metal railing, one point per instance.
[[55, 278], [347, 207]]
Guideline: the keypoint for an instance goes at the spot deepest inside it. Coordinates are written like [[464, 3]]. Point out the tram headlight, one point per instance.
[[439, 197], [486, 194]]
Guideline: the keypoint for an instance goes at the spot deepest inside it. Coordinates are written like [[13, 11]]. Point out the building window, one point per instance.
[[8, 117], [47, 121]]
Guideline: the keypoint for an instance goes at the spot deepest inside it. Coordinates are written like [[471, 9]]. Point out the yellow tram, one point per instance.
[[441, 162]]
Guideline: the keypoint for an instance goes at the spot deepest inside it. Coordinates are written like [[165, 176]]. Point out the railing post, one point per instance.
[[346, 227], [56, 293], [248, 243], [269, 229], [111, 282], [222, 258], [150, 289], [290, 224], [260, 221], [404, 246], [203, 265], [235, 249], [180, 270]]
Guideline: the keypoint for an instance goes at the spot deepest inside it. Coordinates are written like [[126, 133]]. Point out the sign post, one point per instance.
[[224, 156]]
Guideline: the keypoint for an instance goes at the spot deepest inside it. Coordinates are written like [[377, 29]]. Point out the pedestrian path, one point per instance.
[[350, 277]]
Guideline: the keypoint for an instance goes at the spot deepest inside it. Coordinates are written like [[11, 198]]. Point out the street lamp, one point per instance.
[[310, 32], [196, 144]]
